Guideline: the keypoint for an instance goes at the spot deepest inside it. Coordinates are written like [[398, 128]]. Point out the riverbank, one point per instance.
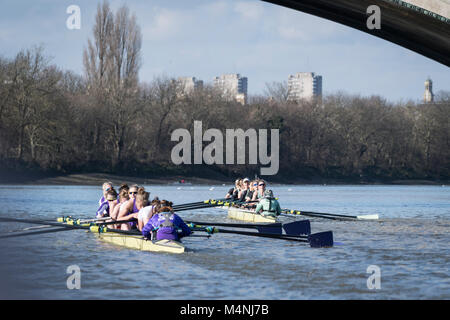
[[99, 178]]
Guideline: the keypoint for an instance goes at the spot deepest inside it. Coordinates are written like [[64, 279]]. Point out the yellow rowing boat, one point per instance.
[[248, 215], [139, 243], [125, 238]]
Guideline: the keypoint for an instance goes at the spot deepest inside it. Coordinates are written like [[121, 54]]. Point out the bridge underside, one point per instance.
[[416, 30]]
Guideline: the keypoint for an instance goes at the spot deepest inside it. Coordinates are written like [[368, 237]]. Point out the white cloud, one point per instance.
[[165, 24]]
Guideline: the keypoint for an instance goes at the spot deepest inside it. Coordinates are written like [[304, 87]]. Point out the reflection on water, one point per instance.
[[409, 244]]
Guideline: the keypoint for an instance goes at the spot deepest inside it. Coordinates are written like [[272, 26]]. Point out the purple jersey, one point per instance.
[[167, 226]]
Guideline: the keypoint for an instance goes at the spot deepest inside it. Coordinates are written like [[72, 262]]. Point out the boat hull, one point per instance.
[[139, 243], [247, 215]]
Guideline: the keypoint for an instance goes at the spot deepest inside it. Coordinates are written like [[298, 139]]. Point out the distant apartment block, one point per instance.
[[304, 85], [189, 84], [232, 86], [428, 96]]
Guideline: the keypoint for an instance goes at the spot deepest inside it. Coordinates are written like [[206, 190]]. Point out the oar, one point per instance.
[[273, 228], [236, 225], [330, 215], [199, 203], [69, 224], [208, 204], [317, 240], [302, 227], [30, 233], [67, 227]]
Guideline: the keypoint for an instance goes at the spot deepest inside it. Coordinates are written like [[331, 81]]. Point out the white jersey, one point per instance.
[[145, 213]]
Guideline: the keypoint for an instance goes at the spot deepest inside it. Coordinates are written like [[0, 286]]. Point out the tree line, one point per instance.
[[106, 120]]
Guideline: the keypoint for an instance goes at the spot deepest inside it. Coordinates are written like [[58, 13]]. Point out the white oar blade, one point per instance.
[[368, 217]]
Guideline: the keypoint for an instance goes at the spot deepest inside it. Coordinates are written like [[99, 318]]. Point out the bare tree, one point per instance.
[[112, 63], [279, 91], [95, 56]]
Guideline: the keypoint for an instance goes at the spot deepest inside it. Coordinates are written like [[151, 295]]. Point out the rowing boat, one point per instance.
[[139, 243], [248, 215], [127, 239]]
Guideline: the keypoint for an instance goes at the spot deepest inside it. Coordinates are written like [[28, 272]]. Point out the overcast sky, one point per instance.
[[206, 38]]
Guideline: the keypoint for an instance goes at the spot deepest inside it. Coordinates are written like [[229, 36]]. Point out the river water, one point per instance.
[[409, 246]]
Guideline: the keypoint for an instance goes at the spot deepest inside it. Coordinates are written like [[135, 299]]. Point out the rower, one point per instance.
[[129, 210], [122, 198], [268, 206], [245, 190], [108, 205], [146, 210], [251, 195], [233, 192], [253, 190], [106, 187], [167, 225], [260, 191]]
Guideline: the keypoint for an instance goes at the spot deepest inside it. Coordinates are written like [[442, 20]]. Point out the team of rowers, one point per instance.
[[156, 218], [253, 195]]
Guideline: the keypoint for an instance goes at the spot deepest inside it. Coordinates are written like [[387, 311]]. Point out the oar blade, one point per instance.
[[296, 228], [321, 239], [368, 217], [271, 229]]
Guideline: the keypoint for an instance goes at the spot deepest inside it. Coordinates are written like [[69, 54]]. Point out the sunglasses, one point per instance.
[[107, 189], [132, 192], [262, 185], [254, 184]]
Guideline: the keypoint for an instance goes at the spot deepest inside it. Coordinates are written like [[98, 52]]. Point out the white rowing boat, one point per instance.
[[248, 215]]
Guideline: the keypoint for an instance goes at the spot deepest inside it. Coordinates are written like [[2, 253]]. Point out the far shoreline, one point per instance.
[[92, 179]]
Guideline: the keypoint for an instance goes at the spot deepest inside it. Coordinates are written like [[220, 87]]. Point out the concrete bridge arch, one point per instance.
[[422, 26]]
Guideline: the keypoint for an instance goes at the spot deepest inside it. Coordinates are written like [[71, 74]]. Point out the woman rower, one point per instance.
[[167, 225], [146, 209], [245, 190], [108, 205], [122, 199], [103, 202], [233, 192], [268, 206], [250, 194], [260, 191], [128, 210], [106, 187]]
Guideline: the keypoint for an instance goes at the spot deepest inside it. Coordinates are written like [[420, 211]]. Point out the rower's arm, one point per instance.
[[124, 209], [183, 226], [278, 209], [147, 230], [114, 212], [100, 211]]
